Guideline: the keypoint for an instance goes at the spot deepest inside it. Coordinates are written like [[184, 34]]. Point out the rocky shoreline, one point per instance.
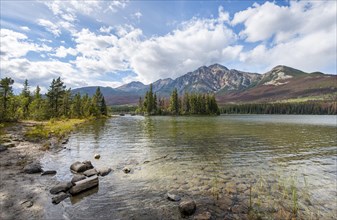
[[24, 185]]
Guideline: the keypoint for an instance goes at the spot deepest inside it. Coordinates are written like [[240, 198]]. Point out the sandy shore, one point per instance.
[[22, 196]]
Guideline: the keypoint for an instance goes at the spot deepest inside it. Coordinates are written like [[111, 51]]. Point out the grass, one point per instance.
[[53, 128]]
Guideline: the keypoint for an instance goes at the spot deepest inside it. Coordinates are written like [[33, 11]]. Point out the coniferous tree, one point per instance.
[[6, 93], [55, 97], [174, 102]]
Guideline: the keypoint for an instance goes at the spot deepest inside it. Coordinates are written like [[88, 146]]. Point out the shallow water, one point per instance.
[[288, 161]]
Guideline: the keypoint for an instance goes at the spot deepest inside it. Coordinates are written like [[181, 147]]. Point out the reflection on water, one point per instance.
[[275, 166]]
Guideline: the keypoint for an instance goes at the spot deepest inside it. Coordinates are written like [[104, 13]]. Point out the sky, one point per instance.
[[110, 43]]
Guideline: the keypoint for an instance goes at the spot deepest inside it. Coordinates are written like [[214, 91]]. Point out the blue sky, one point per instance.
[[110, 43]]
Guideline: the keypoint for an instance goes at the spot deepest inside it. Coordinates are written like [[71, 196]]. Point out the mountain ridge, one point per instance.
[[229, 85]]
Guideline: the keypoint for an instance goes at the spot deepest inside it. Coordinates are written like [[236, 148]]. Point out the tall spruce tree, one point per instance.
[[6, 92]]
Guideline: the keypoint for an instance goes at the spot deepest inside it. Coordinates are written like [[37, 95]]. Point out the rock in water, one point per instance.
[[8, 145], [84, 185], [59, 198], [187, 207], [126, 170], [203, 216], [90, 172], [104, 171], [48, 172], [77, 178], [173, 197], [61, 187], [33, 168], [97, 156], [80, 167]]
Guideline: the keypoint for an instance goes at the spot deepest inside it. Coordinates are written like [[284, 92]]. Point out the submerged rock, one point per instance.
[[48, 172], [77, 178], [59, 198], [90, 172], [80, 167], [61, 187], [8, 145], [187, 207], [173, 197], [33, 168], [83, 185], [126, 170], [104, 171], [97, 156], [203, 216]]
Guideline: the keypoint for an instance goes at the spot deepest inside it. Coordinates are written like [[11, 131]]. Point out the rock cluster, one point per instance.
[[85, 177]]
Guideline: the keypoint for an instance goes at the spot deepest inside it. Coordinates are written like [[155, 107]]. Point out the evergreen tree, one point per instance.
[[37, 107], [6, 93], [26, 99], [104, 109], [55, 97], [76, 106], [174, 102]]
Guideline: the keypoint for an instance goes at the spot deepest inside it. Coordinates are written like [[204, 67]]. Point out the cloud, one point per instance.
[[15, 45], [50, 26], [302, 35], [25, 28], [62, 52], [137, 15], [198, 42]]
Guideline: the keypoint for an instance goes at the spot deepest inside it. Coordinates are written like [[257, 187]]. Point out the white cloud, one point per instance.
[[302, 35], [106, 29], [25, 28], [62, 52], [50, 26], [137, 15], [15, 44], [223, 15]]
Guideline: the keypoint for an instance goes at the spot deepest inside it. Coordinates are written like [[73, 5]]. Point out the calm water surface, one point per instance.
[[288, 162]]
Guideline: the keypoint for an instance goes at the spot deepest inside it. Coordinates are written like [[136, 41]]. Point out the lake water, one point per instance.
[[234, 166]]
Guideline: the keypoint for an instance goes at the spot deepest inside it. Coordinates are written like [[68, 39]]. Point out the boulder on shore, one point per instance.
[[173, 197], [126, 170], [97, 156], [59, 198], [61, 187], [33, 168], [77, 178], [187, 207], [83, 185], [104, 171], [2, 148], [80, 167], [90, 172]]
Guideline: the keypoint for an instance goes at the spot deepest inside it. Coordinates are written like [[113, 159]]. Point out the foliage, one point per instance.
[[189, 104], [59, 102], [311, 107]]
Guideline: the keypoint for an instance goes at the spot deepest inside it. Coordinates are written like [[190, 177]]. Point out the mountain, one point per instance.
[[229, 85]]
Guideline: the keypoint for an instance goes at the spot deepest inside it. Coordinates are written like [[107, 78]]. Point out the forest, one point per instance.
[[188, 104], [58, 102], [309, 107]]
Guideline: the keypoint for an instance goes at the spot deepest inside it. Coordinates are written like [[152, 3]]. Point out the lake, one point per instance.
[[272, 166]]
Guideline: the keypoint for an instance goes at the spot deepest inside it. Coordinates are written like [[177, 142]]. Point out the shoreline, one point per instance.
[[22, 195]]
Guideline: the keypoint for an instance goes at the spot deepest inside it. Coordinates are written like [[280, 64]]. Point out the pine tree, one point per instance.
[[37, 107], [55, 97], [6, 93], [174, 102], [76, 106]]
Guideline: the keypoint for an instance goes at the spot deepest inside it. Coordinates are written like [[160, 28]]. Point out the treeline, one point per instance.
[[310, 108], [58, 102], [188, 104]]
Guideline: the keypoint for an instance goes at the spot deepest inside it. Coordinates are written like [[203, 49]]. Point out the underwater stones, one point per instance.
[[90, 172], [187, 207], [104, 171], [2, 148], [61, 187], [97, 156], [59, 198], [80, 167], [48, 172], [77, 178], [83, 185]]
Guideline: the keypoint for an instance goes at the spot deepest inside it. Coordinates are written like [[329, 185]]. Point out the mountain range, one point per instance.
[[229, 85]]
